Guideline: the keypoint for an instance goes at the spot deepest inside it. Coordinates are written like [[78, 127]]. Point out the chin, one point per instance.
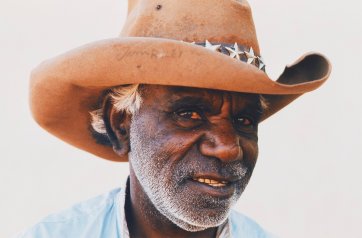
[[200, 222], [197, 213]]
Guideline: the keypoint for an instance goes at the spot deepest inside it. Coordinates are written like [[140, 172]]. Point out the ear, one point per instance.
[[117, 125]]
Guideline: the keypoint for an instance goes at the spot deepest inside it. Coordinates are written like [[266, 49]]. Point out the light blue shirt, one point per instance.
[[104, 217]]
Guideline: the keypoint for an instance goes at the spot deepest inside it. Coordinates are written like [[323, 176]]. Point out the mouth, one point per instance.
[[213, 186], [211, 182]]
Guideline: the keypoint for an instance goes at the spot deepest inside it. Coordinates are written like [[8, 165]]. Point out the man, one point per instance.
[[179, 95]]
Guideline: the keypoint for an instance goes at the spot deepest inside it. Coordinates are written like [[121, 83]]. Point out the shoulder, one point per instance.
[[85, 219], [243, 226]]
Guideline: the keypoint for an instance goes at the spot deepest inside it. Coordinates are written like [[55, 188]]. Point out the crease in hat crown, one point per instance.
[[222, 21]]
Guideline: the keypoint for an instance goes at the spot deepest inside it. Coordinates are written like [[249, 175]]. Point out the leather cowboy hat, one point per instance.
[[155, 48]]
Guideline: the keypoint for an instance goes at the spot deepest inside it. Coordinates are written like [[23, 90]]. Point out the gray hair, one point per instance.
[[124, 98]]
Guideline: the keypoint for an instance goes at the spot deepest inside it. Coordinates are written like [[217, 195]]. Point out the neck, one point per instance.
[[144, 220]]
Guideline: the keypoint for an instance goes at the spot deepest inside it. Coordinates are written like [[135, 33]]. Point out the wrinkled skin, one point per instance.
[[179, 135]]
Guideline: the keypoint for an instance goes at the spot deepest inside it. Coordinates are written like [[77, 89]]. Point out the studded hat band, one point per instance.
[[235, 51]]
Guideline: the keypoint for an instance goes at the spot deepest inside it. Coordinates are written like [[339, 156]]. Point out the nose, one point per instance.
[[222, 142]]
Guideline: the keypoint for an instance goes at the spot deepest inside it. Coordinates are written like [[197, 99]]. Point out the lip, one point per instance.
[[229, 179], [221, 192]]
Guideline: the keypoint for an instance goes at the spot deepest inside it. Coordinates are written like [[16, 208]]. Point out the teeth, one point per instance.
[[211, 182]]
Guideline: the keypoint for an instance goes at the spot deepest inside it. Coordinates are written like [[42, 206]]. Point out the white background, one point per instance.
[[307, 182]]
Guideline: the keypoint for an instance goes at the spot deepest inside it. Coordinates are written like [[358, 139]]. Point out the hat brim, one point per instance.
[[63, 90]]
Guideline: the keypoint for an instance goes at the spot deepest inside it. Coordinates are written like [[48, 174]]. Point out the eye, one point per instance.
[[244, 121], [188, 118], [189, 115]]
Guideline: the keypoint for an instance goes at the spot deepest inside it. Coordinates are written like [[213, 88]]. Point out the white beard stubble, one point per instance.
[[165, 196]]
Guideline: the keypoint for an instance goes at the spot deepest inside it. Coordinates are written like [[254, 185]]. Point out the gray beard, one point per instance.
[[162, 185]]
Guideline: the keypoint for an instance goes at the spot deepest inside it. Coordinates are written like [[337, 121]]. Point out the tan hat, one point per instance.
[[205, 44]]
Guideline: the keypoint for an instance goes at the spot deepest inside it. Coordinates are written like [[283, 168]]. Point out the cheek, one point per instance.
[[175, 143], [250, 152], [166, 140]]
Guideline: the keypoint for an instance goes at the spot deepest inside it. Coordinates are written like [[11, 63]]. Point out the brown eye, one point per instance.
[[190, 115], [244, 121]]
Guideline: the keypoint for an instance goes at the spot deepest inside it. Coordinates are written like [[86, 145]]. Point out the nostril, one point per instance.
[[221, 150], [230, 153]]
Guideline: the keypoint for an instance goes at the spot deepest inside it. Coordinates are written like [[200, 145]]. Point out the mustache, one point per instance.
[[235, 169]]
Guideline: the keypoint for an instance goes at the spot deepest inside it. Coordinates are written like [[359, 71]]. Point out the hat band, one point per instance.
[[235, 51]]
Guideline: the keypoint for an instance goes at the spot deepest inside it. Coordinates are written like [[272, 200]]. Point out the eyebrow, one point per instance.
[[192, 101]]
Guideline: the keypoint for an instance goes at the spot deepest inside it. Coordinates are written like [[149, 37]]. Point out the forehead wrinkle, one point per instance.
[[232, 103], [245, 101], [202, 96], [190, 101], [225, 109]]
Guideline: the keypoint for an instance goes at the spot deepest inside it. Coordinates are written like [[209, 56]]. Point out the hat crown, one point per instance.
[[223, 21]]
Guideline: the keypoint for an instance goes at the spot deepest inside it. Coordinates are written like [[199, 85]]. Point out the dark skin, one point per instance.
[[190, 124]]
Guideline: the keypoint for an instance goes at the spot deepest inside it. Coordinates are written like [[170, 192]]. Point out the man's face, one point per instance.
[[193, 151]]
